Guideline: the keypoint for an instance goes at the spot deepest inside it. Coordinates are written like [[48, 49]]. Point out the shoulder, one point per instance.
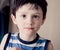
[[4, 38], [3, 41], [50, 46]]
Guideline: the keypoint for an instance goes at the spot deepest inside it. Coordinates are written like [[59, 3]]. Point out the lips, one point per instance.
[[29, 28]]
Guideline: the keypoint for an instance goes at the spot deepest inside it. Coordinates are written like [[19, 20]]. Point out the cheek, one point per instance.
[[38, 24], [19, 24]]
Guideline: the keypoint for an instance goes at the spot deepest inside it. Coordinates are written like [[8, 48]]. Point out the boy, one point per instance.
[[29, 16]]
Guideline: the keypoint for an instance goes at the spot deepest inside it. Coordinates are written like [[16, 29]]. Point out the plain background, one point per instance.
[[51, 27]]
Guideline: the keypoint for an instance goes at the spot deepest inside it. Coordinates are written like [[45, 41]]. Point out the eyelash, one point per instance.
[[35, 16]]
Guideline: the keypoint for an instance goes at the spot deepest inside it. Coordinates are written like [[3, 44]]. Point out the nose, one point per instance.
[[29, 21]]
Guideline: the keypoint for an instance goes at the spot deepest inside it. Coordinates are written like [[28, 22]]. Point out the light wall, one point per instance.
[[51, 27]]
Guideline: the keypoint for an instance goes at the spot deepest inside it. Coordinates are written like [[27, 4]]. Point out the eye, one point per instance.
[[24, 16], [36, 17]]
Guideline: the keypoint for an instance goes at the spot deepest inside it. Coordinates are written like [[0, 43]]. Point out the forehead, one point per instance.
[[30, 8]]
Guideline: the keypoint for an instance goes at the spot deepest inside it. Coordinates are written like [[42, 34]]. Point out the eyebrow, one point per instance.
[[34, 13], [38, 13]]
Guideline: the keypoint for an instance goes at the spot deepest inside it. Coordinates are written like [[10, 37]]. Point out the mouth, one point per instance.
[[29, 28]]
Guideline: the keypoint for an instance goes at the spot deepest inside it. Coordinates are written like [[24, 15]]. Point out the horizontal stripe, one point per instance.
[[13, 42], [27, 48]]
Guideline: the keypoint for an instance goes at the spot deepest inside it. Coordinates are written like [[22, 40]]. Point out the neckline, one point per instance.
[[28, 42]]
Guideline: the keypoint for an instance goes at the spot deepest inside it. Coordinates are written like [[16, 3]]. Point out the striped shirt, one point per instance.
[[37, 44]]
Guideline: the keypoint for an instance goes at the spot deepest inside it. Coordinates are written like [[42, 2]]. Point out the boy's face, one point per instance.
[[28, 19]]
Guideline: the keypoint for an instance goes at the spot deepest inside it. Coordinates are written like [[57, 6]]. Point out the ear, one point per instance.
[[13, 18]]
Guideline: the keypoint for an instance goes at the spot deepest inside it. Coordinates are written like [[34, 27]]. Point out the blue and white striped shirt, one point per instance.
[[37, 44]]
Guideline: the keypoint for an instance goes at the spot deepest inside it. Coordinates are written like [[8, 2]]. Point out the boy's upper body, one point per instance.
[[29, 16], [16, 43]]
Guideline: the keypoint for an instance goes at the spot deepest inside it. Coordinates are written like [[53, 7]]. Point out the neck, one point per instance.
[[27, 36]]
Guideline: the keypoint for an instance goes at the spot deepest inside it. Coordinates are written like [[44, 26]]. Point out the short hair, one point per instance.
[[15, 4]]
